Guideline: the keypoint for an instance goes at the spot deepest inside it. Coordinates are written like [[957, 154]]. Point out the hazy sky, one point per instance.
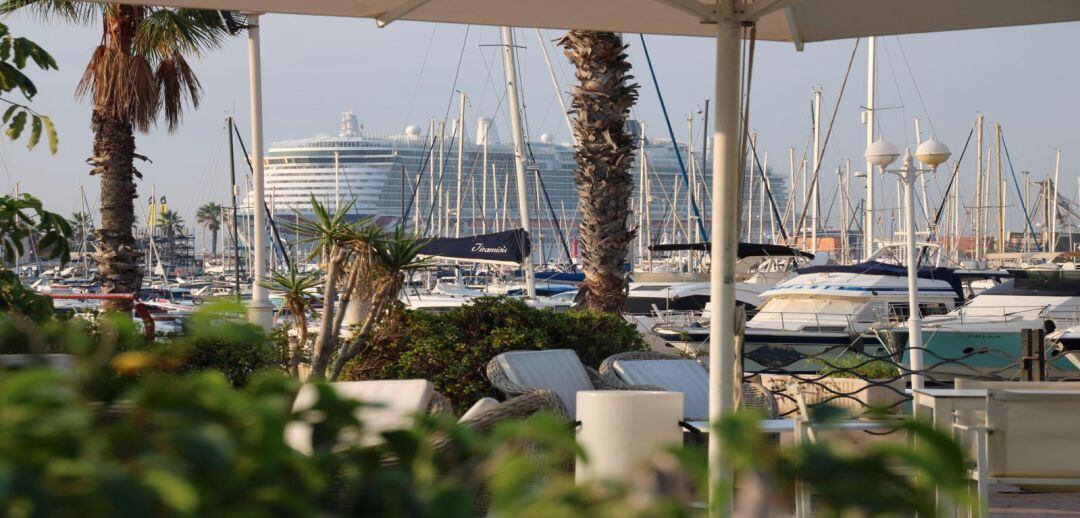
[[314, 68]]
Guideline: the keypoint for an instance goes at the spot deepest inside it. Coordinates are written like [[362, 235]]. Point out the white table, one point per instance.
[[940, 405]]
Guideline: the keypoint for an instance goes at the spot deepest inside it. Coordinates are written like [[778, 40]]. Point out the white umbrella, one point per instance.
[[796, 21]]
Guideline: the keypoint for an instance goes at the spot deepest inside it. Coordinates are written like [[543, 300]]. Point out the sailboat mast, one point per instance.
[[460, 158], [1000, 192], [235, 213], [510, 70], [814, 191], [868, 230], [1054, 204], [977, 218]]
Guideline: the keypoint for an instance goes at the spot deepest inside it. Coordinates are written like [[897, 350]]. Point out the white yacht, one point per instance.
[[671, 309], [983, 336]]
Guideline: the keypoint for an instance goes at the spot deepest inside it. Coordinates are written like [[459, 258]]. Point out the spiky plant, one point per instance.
[[209, 217], [296, 292], [138, 74], [386, 261], [328, 233], [605, 150]]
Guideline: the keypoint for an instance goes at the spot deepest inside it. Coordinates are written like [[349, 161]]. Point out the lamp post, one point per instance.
[[931, 153]]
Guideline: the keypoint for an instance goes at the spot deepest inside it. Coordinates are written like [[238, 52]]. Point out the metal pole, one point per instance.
[[509, 67], [260, 311], [725, 214], [915, 341], [868, 230]]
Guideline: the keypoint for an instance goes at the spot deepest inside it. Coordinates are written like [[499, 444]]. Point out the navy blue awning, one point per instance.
[[510, 247], [745, 249]]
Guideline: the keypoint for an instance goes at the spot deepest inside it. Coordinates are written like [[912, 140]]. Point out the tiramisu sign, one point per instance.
[[479, 247]]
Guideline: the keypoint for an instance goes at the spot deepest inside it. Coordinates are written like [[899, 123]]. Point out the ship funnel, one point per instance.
[[349, 125], [485, 128]]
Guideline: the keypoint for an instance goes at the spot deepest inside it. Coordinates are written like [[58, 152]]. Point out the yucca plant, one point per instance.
[[387, 261], [138, 73], [605, 151], [328, 234], [296, 292]]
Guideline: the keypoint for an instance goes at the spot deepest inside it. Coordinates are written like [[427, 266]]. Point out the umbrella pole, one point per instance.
[[725, 212]]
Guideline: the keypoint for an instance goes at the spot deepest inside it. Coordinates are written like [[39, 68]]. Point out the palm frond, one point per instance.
[[122, 86], [176, 82], [166, 32], [82, 13]]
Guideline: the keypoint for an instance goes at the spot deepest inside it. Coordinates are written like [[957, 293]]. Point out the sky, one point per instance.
[[314, 68]]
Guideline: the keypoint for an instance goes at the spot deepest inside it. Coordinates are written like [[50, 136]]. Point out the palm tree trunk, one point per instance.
[[213, 241], [352, 349], [116, 256], [605, 152], [324, 342]]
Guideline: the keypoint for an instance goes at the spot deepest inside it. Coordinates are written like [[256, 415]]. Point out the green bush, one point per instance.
[[453, 349], [233, 347], [859, 366]]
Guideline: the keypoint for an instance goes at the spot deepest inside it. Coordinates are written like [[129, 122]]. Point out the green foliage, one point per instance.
[[166, 441], [452, 349], [883, 478], [23, 220], [859, 366], [233, 347], [15, 53]]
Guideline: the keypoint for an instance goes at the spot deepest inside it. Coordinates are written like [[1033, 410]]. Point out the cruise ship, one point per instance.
[[415, 176]]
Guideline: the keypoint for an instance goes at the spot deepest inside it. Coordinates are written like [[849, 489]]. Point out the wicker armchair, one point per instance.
[[753, 395], [503, 380]]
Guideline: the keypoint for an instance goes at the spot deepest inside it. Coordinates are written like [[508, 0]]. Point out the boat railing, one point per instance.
[[1063, 316], [1000, 314], [832, 321]]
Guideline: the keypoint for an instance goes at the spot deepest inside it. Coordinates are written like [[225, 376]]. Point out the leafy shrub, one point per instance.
[[859, 366], [453, 349], [236, 349]]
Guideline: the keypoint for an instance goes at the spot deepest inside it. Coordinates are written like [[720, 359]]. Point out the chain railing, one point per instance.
[[869, 374]]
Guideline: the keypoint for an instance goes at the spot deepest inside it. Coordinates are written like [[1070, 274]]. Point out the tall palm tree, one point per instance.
[[209, 216], [137, 74], [82, 223], [171, 223], [605, 151]]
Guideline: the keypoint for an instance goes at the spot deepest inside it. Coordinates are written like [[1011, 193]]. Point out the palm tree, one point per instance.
[[137, 74], [171, 224], [296, 290], [605, 151], [209, 216], [82, 223]]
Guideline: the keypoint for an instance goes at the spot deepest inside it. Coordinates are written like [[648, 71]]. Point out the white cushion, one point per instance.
[[482, 405], [686, 376], [388, 405], [559, 370]]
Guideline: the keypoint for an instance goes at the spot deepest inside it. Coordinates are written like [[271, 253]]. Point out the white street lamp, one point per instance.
[[933, 154]]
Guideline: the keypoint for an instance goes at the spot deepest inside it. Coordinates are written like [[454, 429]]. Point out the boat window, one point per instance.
[[650, 287], [899, 311], [808, 305]]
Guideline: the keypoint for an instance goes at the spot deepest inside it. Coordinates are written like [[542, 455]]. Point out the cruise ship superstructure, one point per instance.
[[378, 174]]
